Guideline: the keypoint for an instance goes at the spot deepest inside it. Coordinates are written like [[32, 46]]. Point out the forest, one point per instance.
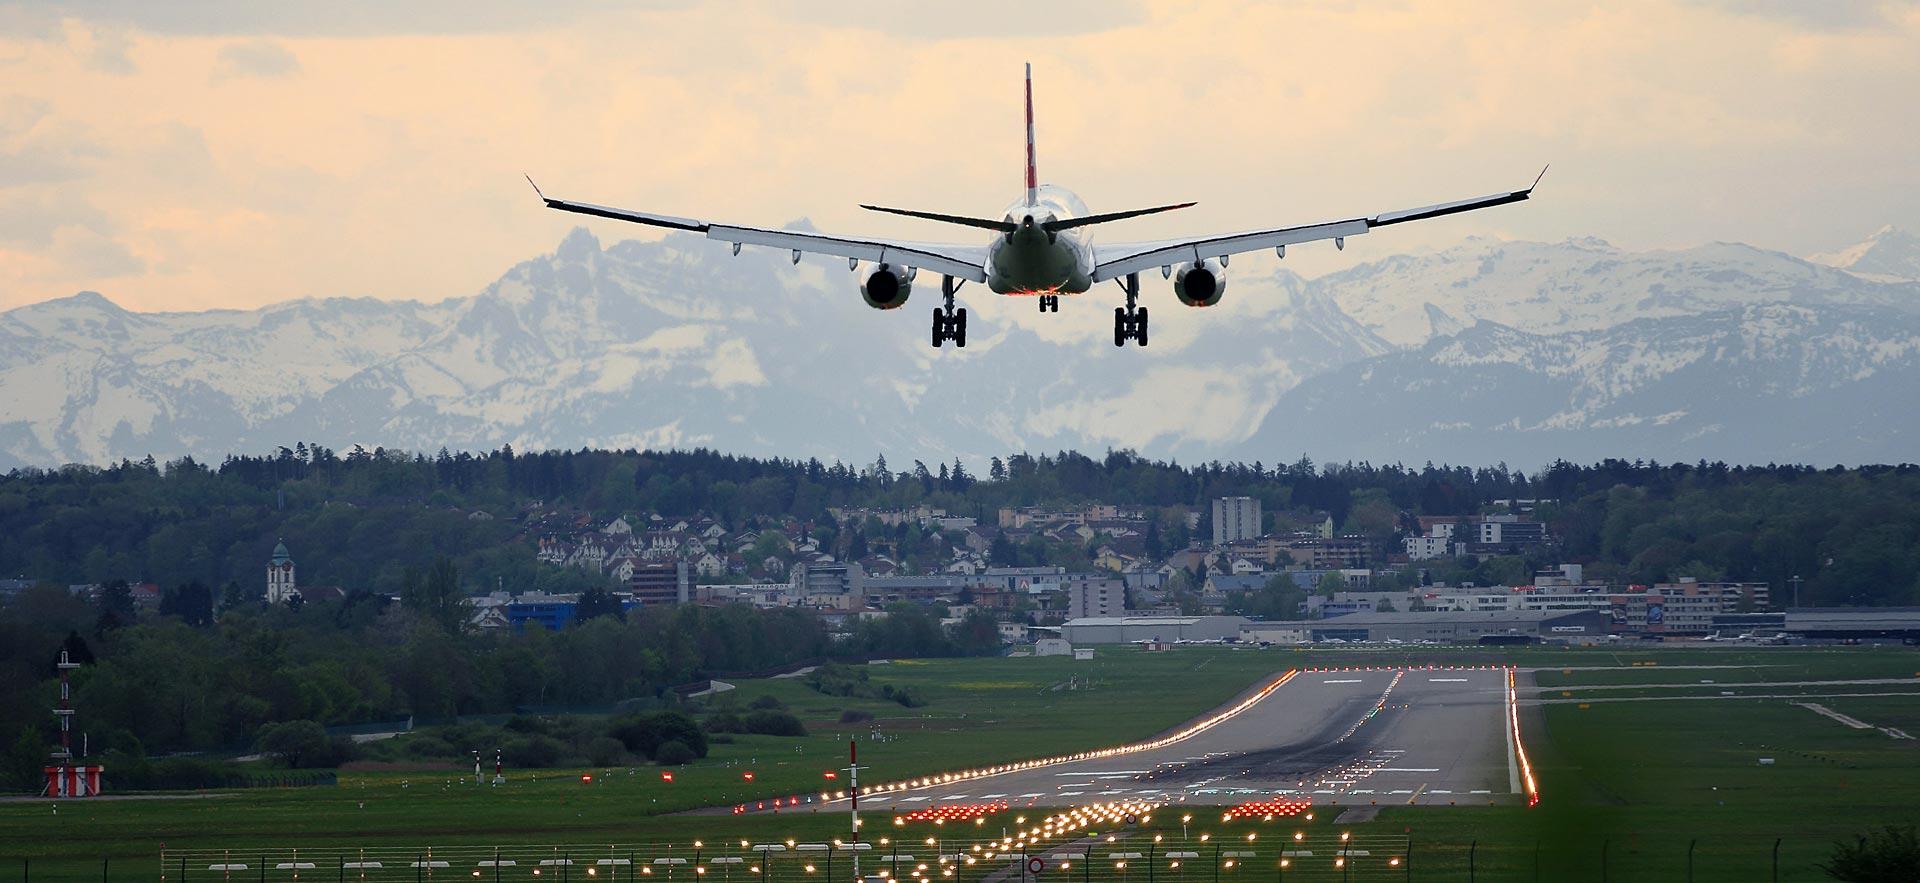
[[362, 520]]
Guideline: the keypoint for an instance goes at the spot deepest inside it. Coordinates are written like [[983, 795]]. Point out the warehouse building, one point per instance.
[[1855, 623], [1131, 629], [1464, 626]]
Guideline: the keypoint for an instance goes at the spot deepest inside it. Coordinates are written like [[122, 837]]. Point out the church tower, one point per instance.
[[280, 583]]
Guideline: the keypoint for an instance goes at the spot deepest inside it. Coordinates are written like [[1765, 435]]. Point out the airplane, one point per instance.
[[1042, 247]]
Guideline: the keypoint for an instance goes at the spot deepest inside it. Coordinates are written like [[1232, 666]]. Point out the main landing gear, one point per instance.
[[1130, 321], [949, 323], [1049, 303]]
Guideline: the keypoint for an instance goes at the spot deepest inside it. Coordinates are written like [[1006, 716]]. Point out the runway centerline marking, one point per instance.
[[1345, 681]]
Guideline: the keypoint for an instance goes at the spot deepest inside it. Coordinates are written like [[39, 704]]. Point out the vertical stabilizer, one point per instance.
[[1033, 177]]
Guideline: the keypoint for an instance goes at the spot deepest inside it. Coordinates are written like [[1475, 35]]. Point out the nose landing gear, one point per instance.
[[1130, 321], [949, 323], [1049, 303]]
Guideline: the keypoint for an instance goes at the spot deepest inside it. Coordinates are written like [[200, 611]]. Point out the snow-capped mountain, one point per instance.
[[1582, 285], [1489, 350], [669, 343], [1768, 383], [1889, 254]]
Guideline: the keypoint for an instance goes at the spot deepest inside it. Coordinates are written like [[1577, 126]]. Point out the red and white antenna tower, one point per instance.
[[64, 778]]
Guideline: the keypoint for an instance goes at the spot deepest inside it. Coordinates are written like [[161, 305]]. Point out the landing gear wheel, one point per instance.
[[1140, 327], [960, 327], [938, 336], [1119, 326]]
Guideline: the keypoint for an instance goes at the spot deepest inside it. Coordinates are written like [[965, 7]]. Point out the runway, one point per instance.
[[1345, 736]]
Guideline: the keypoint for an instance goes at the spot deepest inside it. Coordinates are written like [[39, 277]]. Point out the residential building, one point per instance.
[[1235, 518], [1096, 598]]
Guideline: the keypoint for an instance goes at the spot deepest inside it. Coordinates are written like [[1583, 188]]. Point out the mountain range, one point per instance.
[[1489, 351]]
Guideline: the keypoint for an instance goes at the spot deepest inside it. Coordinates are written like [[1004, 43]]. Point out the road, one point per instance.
[[1426, 736]]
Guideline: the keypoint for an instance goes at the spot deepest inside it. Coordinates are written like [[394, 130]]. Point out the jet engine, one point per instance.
[[1200, 284], [887, 287]]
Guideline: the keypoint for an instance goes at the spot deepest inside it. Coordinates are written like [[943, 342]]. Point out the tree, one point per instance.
[[24, 760], [192, 602], [1331, 582], [436, 596], [115, 606], [294, 742], [598, 602], [1889, 855], [1385, 606]]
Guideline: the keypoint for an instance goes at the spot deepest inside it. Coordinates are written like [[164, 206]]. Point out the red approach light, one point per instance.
[[586, 780], [1273, 807], [748, 775], [955, 812], [831, 774], [666, 776]]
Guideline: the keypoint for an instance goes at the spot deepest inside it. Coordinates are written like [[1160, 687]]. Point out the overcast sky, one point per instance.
[[186, 155]]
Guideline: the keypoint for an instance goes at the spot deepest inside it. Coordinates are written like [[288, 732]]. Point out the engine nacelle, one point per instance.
[[1201, 284], [887, 287]]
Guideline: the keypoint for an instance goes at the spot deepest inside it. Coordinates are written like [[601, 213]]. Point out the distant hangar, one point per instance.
[[1463, 626]]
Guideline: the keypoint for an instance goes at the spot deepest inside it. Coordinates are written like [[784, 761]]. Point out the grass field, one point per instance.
[[1637, 780]]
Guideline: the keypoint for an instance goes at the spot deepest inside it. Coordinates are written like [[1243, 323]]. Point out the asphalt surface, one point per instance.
[[1348, 737]]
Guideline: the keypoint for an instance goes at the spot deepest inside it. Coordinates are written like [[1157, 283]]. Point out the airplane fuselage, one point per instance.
[[1032, 261]]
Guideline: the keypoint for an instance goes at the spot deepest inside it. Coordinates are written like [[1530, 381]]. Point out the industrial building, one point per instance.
[[1463, 626], [1855, 623], [1128, 629]]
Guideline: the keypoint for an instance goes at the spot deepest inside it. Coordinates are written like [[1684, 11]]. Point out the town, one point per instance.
[[1241, 575]]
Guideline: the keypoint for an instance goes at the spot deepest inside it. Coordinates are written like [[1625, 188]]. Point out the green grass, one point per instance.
[[979, 711], [1643, 778]]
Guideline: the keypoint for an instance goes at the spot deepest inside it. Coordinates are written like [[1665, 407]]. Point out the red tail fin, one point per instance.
[[1033, 177]]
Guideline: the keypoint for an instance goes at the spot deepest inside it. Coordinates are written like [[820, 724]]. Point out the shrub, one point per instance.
[[426, 745], [673, 752], [725, 722], [906, 696], [835, 679], [533, 751], [1885, 856], [774, 723], [721, 739], [605, 751], [643, 734], [295, 743], [855, 715]]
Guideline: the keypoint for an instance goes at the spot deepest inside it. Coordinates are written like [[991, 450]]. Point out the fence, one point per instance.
[[1274, 856]]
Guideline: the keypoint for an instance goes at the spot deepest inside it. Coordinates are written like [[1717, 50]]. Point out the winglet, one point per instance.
[[1536, 179], [536, 187]]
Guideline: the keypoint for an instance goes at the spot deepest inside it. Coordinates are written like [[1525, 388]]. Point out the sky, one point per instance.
[[233, 153]]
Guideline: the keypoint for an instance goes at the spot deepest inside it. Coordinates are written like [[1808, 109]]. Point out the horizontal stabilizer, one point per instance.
[[1067, 223], [983, 223]]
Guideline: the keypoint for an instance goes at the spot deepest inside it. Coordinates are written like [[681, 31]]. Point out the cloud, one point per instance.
[[93, 254], [256, 58], [341, 18], [262, 151], [1821, 14]]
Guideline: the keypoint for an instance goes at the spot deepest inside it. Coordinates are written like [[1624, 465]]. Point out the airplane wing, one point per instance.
[[959, 261], [1119, 259]]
